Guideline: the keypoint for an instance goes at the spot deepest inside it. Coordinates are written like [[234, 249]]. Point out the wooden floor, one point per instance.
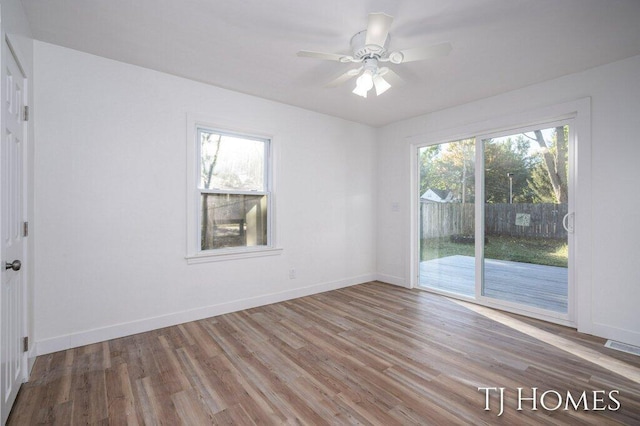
[[368, 354], [540, 286]]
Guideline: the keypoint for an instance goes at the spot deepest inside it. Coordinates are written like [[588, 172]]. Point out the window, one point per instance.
[[231, 194]]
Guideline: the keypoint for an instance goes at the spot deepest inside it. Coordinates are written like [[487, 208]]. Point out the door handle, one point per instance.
[[15, 265], [565, 223]]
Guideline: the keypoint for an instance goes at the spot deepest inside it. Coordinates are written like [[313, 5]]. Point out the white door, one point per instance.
[[12, 328]]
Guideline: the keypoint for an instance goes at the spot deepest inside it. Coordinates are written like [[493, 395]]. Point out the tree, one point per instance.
[[427, 156], [504, 157], [539, 188], [538, 177], [554, 154], [210, 148], [450, 167]]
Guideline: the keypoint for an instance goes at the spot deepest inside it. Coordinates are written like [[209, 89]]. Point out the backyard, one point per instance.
[[541, 251], [522, 180]]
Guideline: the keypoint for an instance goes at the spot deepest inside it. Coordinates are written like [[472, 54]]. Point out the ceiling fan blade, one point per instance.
[[391, 77], [343, 78], [422, 53], [378, 28], [320, 55]]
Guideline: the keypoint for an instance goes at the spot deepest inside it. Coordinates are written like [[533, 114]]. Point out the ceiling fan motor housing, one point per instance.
[[363, 51], [370, 64]]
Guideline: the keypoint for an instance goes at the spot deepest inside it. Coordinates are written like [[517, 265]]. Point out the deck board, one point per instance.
[[540, 286]]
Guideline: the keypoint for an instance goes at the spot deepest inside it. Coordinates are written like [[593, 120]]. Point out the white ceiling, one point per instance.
[[250, 45]]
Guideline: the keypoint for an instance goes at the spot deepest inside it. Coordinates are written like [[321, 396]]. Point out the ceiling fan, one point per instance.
[[369, 48]]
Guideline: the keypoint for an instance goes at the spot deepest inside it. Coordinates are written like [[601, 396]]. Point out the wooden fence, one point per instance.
[[539, 220]]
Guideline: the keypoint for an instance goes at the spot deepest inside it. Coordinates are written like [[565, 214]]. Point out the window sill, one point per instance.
[[232, 254]]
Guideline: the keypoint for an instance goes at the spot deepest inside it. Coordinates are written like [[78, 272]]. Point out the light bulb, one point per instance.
[[381, 84], [360, 91], [365, 80], [364, 83]]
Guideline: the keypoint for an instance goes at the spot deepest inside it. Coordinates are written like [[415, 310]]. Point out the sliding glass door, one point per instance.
[[512, 248], [527, 218]]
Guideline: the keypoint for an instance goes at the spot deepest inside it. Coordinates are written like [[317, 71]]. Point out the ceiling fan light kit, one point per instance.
[[369, 47], [370, 77]]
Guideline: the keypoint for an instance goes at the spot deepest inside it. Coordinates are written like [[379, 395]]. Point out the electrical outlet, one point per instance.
[[292, 274]]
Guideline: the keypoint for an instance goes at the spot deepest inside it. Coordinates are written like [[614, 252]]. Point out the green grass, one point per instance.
[[528, 250]]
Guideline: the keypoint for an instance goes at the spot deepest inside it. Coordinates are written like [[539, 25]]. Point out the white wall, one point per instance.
[[110, 192], [110, 216], [612, 303]]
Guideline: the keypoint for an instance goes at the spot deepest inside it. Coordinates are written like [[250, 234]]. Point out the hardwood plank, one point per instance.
[[367, 354], [200, 382], [169, 367], [236, 390], [234, 415], [190, 409], [122, 408]]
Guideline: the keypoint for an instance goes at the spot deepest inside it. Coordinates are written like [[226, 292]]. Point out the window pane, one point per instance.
[[526, 250], [233, 221], [231, 162], [447, 217]]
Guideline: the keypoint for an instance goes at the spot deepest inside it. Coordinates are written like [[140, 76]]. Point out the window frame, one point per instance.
[[194, 193]]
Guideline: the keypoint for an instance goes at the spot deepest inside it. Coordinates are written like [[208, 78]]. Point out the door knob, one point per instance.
[[15, 265]]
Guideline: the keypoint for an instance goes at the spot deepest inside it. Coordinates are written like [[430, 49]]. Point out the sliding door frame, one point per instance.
[[578, 114]]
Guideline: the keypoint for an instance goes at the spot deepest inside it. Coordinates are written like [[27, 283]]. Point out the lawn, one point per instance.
[[528, 250]]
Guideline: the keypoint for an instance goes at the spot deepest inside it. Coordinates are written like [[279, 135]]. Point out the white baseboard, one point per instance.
[[115, 331], [391, 279], [630, 337], [31, 358]]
